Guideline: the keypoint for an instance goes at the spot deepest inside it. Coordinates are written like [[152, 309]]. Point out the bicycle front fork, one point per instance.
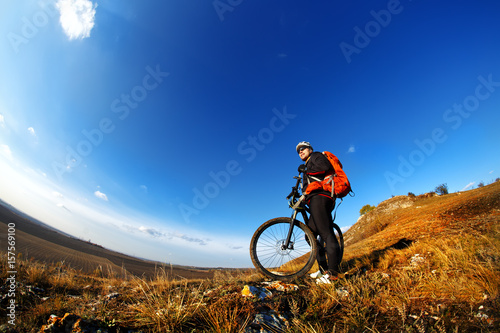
[[288, 245]]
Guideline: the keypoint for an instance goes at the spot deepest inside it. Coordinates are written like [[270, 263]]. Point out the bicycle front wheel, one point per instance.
[[271, 257]]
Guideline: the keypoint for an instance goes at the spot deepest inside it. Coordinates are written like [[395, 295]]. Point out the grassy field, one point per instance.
[[414, 264], [38, 242]]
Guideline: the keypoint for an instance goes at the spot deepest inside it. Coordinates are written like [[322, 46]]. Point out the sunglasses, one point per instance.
[[302, 148]]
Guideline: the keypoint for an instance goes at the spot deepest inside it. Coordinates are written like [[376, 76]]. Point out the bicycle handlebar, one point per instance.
[[295, 202]]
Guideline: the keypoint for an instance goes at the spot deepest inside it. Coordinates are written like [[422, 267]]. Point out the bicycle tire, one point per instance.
[[283, 264], [340, 239]]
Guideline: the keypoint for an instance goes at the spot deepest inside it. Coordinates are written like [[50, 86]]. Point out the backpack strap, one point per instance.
[[335, 209]]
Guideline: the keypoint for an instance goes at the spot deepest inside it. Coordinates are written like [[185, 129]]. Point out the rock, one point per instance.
[[268, 322], [281, 286], [416, 260], [342, 292], [112, 295], [251, 291], [64, 324], [72, 323]]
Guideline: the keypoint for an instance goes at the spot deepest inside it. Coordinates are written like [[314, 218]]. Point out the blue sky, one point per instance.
[[167, 129]]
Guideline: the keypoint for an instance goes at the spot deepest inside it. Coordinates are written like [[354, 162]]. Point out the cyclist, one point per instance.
[[321, 205]]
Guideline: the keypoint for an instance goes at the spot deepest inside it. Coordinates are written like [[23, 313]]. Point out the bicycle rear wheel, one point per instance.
[[340, 239], [271, 258]]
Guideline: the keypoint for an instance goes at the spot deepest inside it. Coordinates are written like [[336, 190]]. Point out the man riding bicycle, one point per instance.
[[321, 205]]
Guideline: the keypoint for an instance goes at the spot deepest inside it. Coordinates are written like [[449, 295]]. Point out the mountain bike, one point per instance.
[[284, 248]]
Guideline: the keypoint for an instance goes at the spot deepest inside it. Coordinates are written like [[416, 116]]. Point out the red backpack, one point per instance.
[[341, 186]]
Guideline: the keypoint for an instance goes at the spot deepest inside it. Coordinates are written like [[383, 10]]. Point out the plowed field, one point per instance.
[[37, 242]]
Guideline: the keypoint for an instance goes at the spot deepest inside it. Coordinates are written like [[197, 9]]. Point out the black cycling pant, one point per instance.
[[321, 224]]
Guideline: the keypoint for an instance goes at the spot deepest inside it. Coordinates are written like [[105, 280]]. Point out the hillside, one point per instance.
[[402, 220], [36, 241]]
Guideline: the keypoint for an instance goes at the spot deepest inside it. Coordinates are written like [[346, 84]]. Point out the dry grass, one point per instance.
[[425, 270], [441, 292], [163, 305]]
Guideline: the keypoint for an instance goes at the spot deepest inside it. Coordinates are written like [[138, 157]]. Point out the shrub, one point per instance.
[[365, 209], [441, 189]]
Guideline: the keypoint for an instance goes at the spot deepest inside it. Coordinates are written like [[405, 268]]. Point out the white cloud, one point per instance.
[[191, 239], [344, 229], [169, 235], [101, 195], [151, 231], [468, 186], [351, 149], [5, 151], [32, 131], [234, 247], [77, 17], [2, 121], [60, 205]]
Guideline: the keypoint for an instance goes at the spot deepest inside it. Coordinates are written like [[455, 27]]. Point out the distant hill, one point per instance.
[[35, 240]]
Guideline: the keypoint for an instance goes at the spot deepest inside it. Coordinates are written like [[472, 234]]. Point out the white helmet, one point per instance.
[[303, 144]]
